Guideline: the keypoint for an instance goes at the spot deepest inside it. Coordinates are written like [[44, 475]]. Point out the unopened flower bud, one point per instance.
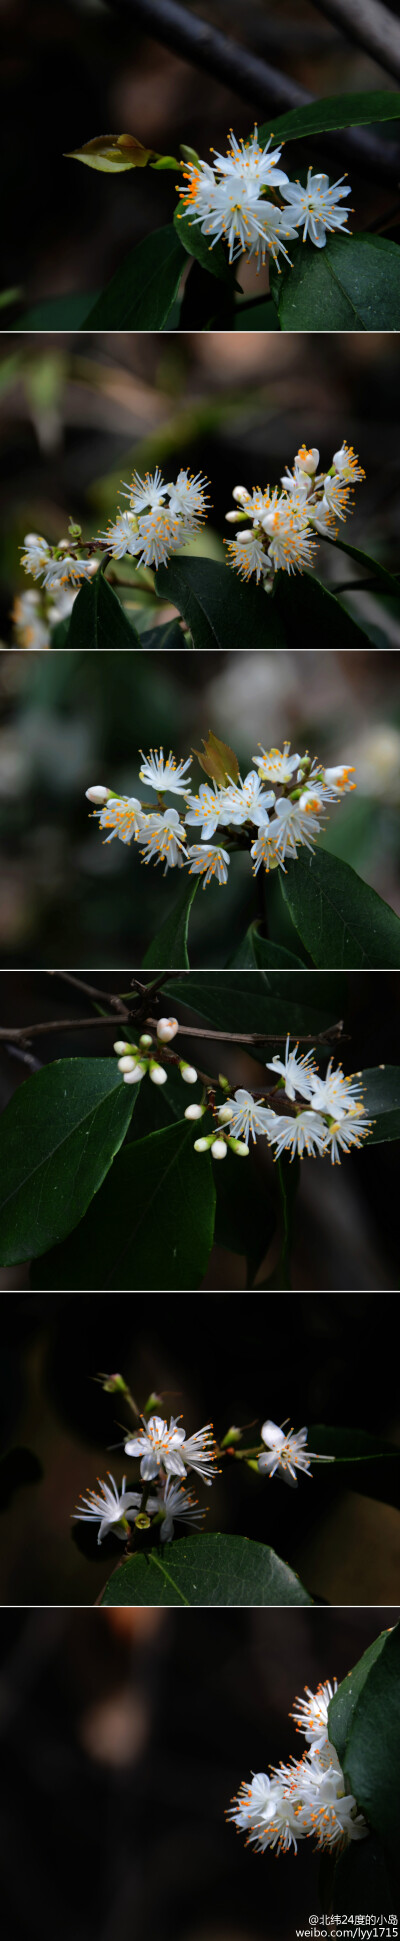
[[113, 1384], [238, 1145], [188, 1073], [224, 1114], [97, 793], [121, 1045], [136, 1072], [145, 1042], [166, 1029], [194, 1111], [219, 1149], [189, 154], [127, 1063], [240, 493], [232, 1435], [202, 1145], [308, 460], [157, 1073]]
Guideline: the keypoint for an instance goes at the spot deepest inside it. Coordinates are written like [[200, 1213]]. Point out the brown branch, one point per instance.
[[21, 1034], [90, 990], [371, 25]]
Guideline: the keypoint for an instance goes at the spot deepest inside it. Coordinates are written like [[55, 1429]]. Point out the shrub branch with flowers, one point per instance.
[[241, 205], [157, 1501], [111, 1174]]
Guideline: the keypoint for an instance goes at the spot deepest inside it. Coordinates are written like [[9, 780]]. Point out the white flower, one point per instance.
[[336, 500], [164, 839], [229, 208], [248, 555], [249, 802], [38, 553], [315, 208], [344, 1133], [187, 497], [346, 462], [110, 1508], [292, 543], [145, 495], [168, 774], [122, 816], [208, 862], [263, 851], [287, 1452], [335, 1093], [274, 766], [161, 534], [247, 161], [31, 630], [67, 571], [246, 1115], [291, 825], [166, 1029], [177, 1503], [269, 1812], [338, 781], [122, 535], [166, 1448], [311, 1714], [305, 1133], [210, 807], [295, 1071]]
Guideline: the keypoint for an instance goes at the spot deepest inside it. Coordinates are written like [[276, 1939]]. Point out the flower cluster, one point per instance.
[[34, 615], [286, 1452], [307, 1799], [327, 1114], [238, 199], [282, 524], [166, 1453], [161, 518], [279, 805]]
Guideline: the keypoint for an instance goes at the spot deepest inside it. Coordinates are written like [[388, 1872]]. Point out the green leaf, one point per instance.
[[381, 1089], [372, 1466], [59, 633], [98, 620], [258, 953], [143, 290], [342, 1707], [205, 1570], [169, 949], [351, 284], [192, 240], [361, 1879], [170, 638], [219, 608], [321, 617], [262, 1003], [386, 581], [57, 313], [58, 1138], [151, 1225], [245, 1218], [371, 1754], [338, 917], [335, 111]]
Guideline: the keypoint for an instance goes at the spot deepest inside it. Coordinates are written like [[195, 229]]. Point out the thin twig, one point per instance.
[[90, 990], [371, 25], [232, 64], [22, 1034]]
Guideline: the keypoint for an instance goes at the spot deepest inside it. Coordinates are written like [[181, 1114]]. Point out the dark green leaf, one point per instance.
[[169, 949], [381, 1090], [142, 291], [151, 1225], [60, 633], [192, 240], [335, 111], [208, 1570], [361, 1879], [364, 1462], [351, 284], [57, 313], [369, 1732], [386, 581], [339, 918], [258, 953], [254, 316], [170, 638], [219, 608], [276, 1003], [312, 608], [245, 1218], [98, 620], [58, 1138]]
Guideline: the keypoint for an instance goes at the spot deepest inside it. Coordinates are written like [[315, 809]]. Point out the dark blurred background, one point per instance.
[[81, 69], [124, 1737], [320, 1357], [77, 415]]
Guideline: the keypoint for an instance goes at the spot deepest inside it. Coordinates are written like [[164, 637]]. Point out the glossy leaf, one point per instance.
[[315, 610], [205, 1570], [169, 949], [219, 609], [381, 1089], [151, 1226], [339, 918], [98, 620], [335, 111], [58, 1137], [372, 1752], [141, 294], [363, 1462], [170, 638], [258, 953], [386, 581], [245, 1219], [192, 240], [351, 284], [57, 313], [342, 1707], [264, 1003]]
